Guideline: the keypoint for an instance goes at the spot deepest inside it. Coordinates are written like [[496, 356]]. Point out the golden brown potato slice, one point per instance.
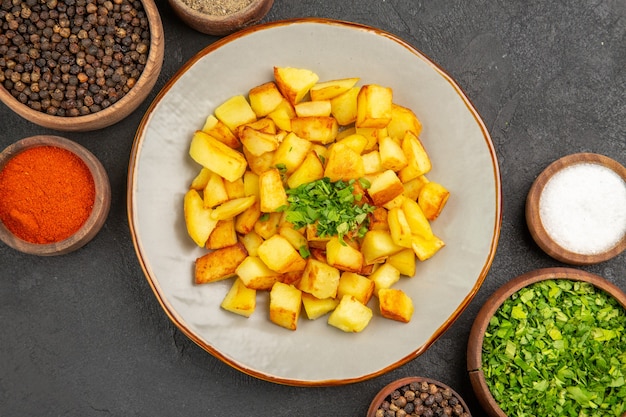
[[343, 256], [377, 245], [279, 255], [343, 163], [350, 315], [385, 187], [394, 304], [219, 264], [316, 308], [198, 219], [294, 83], [403, 120], [359, 286], [285, 305], [327, 90], [432, 199], [240, 299], [291, 152], [256, 275], [219, 158], [234, 112], [374, 106], [318, 129], [271, 190], [264, 98], [344, 106], [319, 279], [310, 170], [223, 235]]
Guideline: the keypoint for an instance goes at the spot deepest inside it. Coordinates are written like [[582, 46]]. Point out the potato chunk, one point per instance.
[[374, 106], [316, 308], [343, 256], [256, 275], [350, 283], [319, 279], [432, 199], [285, 305], [394, 304], [240, 299], [279, 255], [198, 219], [271, 190], [219, 264], [264, 98], [350, 315], [235, 112], [219, 158], [294, 83], [385, 187]]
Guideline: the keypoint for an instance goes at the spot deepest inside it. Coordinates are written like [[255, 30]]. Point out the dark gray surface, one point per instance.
[[83, 334]]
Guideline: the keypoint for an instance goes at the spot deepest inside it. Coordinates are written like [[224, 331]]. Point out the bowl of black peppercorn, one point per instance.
[[78, 65], [417, 396]]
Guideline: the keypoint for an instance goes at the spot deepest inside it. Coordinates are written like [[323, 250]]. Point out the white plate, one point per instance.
[[463, 159]]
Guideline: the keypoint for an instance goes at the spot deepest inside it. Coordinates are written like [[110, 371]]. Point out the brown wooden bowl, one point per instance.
[[493, 303], [221, 25], [100, 210], [385, 393], [536, 226], [118, 110]]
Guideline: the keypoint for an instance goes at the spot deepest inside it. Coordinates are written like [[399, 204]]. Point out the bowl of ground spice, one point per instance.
[[220, 17], [551, 343], [576, 209], [54, 195], [78, 65], [419, 397]]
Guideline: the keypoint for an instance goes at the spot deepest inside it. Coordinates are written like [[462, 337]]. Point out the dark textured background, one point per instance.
[[83, 335]]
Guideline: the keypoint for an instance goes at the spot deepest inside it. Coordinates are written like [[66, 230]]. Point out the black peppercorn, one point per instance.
[[61, 56], [421, 400]]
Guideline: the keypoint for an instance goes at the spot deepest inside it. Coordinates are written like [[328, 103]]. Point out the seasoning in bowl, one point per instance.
[[418, 397], [551, 343], [73, 57], [576, 209], [54, 195], [46, 194]]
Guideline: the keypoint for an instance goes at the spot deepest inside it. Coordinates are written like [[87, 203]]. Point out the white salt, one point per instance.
[[583, 208]]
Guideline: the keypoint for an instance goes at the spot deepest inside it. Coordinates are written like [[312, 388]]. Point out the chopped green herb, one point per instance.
[[331, 206], [557, 348]]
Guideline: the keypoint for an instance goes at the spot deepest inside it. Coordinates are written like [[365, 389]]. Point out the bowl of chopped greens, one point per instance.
[[551, 342]]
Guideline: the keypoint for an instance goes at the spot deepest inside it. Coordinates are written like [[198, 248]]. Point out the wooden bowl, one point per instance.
[[385, 393], [537, 228], [118, 110], [100, 209], [477, 332], [221, 25]]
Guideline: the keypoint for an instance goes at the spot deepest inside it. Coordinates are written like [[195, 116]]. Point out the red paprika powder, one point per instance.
[[46, 194]]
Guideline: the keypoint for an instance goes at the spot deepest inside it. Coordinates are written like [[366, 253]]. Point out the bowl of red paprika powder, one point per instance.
[[54, 195]]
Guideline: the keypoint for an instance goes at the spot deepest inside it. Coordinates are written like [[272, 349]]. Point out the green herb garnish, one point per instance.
[[333, 207], [557, 348]]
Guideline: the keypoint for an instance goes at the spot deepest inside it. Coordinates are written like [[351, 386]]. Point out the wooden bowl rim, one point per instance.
[[221, 25], [398, 383], [102, 200], [493, 303], [118, 110], [533, 219]]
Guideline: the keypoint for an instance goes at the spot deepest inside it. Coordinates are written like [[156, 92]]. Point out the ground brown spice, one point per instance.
[[218, 7]]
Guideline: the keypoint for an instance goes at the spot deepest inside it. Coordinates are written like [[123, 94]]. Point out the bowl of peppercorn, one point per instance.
[[221, 17], [78, 65], [54, 195], [417, 396]]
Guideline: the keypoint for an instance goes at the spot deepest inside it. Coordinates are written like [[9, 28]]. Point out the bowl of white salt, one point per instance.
[[576, 209]]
